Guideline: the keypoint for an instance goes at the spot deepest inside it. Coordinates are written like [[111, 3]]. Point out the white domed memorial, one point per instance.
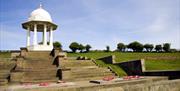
[[39, 21]]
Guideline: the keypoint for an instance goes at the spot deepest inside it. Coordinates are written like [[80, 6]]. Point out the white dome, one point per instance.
[[40, 15]]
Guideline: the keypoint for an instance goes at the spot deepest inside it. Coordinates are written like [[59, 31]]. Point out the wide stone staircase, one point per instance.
[[39, 66], [81, 70], [4, 74], [35, 67], [5, 67]]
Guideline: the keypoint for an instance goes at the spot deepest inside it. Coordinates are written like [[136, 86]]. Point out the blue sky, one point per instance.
[[95, 22]]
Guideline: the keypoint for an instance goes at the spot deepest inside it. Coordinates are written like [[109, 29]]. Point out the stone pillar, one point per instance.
[[45, 35], [23, 52], [28, 36], [51, 36], [35, 35]]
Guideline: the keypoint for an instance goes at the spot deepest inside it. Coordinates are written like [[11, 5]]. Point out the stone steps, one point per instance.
[[90, 72], [45, 73], [40, 66], [87, 78], [41, 71], [4, 71], [36, 68], [41, 74], [86, 71], [38, 54], [4, 74], [84, 67], [92, 75], [39, 80], [3, 82], [38, 63], [45, 59], [75, 63], [7, 65]]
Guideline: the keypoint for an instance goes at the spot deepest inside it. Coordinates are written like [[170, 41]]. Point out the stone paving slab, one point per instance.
[[75, 86]]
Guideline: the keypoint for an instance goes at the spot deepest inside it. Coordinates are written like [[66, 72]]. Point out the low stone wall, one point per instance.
[[108, 59], [135, 67], [172, 74]]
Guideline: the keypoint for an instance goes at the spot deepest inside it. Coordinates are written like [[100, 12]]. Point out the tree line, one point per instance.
[[138, 47], [121, 47], [74, 46]]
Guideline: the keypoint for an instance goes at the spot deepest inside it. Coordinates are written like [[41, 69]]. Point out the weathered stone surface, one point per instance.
[[16, 76], [132, 67], [35, 66], [3, 82], [108, 59], [23, 52], [80, 70], [66, 75], [5, 67], [63, 55], [147, 84], [14, 54]]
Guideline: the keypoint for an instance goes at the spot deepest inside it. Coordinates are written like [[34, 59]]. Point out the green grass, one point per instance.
[[153, 61], [115, 68]]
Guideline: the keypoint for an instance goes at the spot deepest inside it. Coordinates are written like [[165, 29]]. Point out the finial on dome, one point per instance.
[[40, 5]]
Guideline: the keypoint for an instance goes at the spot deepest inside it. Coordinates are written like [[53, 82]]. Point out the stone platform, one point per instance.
[[145, 84], [46, 66]]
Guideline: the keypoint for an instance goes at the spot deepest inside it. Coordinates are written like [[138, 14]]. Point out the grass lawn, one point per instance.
[[153, 61]]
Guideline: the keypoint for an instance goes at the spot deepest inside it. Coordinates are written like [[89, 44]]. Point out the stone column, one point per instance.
[[45, 35], [28, 36], [51, 36], [35, 35]]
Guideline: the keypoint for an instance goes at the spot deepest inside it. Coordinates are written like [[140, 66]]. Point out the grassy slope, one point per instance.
[[153, 61]]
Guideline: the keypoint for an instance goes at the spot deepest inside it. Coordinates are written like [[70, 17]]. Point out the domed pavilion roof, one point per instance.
[[40, 15]]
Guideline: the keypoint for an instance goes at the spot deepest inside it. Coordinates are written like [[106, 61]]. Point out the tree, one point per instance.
[[87, 47], [81, 48], [136, 46], [74, 46], [57, 44], [107, 48], [158, 48], [121, 47], [166, 47], [148, 47]]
